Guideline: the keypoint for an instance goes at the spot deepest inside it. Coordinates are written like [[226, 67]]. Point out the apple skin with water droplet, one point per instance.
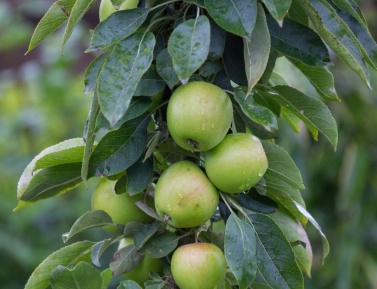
[[237, 163], [185, 196], [199, 115]]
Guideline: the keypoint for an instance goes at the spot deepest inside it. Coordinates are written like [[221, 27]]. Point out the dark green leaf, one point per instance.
[[146, 232], [52, 20], [276, 260], [148, 210], [106, 277], [161, 245], [188, 46], [234, 59], [235, 16], [132, 228], [78, 11], [88, 220], [217, 42], [298, 41], [278, 8], [128, 284], [337, 36], [150, 83], [119, 149], [255, 112], [222, 80], [313, 112], [256, 50], [82, 276], [256, 202], [210, 67], [121, 73], [352, 8], [139, 175], [117, 27], [164, 66], [326, 246], [125, 259], [91, 73], [197, 2], [67, 256], [281, 165], [298, 14], [320, 77], [240, 250]]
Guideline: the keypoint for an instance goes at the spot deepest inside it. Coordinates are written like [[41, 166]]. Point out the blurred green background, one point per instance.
[[42, 103]]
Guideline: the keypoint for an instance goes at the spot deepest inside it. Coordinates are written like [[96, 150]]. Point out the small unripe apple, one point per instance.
[[121, 208], [237, 163], [198, 265], [106, 8], [199, 115], [140, 274], [185, 195]]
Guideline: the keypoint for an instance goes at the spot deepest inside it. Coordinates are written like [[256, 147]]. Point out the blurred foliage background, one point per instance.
[[42, 103]]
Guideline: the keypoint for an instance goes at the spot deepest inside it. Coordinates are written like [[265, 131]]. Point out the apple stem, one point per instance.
[[193, 144]]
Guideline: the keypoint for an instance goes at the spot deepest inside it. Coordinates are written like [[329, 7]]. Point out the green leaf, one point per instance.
[[82, 276], [125, 259], [68, 256], [52, 181], [240, 250], [217, 42], [337, 36], [256, 202], [275, 257], [164, 66], [295, 232], [352, 8], [139, 175], [161, 245], [121, 73], [292, 120], [188, 46], [235, 16], [255, 112], [146, 232], [88, 220], [106, 277], [117, 27], [278, 8], [297, 13], [234, 59], [211, 67], [320, 77], [281, 165], [132, 228], [52, 20], [92, 71], [119, 149], [256, 50], [128, 284], [313, 112], [325, 243], [298, 41], [78, 11], [150, 83]]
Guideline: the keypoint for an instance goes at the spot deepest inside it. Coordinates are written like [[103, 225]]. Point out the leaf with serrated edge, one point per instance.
[[78, 11], [92, 71], [275, 257], [52, 20], [313, 112], [164, 66], [121, 73], [125, 259], [82, 276], [281, 165], [117, 27], [326, 246], [91, 219], [256, 50], [240, 250], [146, 232], [235, 16], [161, 245], [337, 36], [352, 8], [188, 46], [67, 256], [278, 8], [139, 176]]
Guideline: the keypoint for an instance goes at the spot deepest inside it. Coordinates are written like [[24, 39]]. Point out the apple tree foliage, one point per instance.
[[162, 44]]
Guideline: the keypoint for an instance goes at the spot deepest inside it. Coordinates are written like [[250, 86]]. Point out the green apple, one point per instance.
[[199, 115], [198, 265], [185, 195], [106, 8], [140, 274], [121, 208], [237, 163]]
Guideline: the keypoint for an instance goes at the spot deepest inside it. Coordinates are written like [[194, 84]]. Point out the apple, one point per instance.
[[237, 163], [106, 8], [121, 208], [185, 195], [140, 274], [199, 115], [198, 265]]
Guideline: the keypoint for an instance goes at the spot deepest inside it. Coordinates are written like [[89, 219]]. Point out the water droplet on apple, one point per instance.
[[260, 173]]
